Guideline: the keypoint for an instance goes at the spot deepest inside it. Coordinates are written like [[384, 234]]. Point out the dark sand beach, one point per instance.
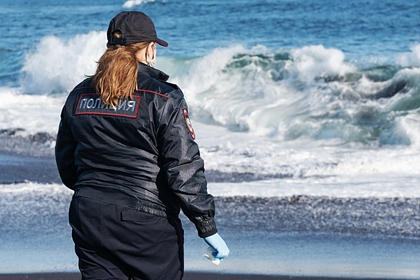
[[270, 238]]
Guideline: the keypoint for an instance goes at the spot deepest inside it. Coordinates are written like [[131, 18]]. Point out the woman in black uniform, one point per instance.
[[126, 146]]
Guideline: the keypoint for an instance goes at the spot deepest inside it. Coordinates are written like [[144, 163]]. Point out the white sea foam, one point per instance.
[[333, 187], [305, 162], [132, 3], [362, 186], [311, 62], [35, 188], [33, 113]]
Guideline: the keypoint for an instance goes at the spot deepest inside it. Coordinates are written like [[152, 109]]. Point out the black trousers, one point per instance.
[[115, 242]]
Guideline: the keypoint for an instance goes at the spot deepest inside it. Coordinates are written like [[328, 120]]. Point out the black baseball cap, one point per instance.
[[135, 27]]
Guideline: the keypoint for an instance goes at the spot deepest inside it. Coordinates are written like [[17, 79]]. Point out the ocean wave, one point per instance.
[[308, 93], [311, 93]]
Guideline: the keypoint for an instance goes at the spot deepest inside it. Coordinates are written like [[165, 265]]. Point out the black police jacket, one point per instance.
[[141, 154]]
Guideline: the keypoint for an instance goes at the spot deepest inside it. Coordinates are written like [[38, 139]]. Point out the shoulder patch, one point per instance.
[[91, 104], [188, 123]]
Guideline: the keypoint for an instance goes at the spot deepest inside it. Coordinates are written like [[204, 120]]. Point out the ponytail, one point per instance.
[[116, 75]]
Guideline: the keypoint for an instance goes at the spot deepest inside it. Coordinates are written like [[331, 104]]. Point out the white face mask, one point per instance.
[[151, 61]]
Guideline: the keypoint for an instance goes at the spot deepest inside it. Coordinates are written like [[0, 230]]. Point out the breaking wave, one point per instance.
[[311, 93]]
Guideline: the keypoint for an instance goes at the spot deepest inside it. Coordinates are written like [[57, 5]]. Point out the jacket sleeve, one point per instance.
[[184, 168], [64, 153]]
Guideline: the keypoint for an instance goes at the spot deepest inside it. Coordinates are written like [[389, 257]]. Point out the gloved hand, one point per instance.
[[219, 245]]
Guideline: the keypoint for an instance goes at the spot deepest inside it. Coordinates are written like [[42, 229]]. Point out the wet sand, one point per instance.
[[188, 276]]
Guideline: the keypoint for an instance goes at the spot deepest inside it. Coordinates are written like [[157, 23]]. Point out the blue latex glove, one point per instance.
[[219, 245]]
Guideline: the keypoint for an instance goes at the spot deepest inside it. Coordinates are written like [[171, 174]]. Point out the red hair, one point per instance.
[[116, 75]]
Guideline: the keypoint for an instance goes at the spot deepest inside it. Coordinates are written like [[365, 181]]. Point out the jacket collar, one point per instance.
[[145, 70]]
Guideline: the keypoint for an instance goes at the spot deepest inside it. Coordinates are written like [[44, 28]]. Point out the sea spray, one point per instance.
[[57, 65]]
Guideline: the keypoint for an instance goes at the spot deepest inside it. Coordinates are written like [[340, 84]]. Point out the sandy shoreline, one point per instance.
[[300, 235], [188, 276]]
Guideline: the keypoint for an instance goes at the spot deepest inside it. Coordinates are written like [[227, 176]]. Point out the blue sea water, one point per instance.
[[306, 105]]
